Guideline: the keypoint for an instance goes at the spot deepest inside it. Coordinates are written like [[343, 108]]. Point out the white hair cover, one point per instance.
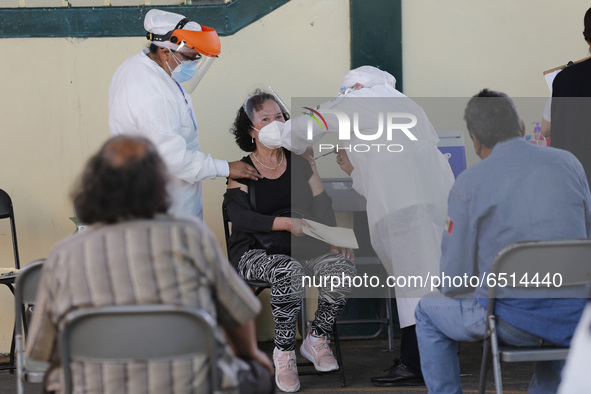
[[161, 22], [369, 77]]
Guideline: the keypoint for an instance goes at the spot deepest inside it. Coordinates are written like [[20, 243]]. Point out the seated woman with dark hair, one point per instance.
[[289, 182]]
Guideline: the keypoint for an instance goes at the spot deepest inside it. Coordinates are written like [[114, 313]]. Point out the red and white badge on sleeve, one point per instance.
[[449, 225]]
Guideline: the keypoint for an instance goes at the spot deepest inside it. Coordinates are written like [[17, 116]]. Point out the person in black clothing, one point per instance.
[[571, 100], [290, 182]]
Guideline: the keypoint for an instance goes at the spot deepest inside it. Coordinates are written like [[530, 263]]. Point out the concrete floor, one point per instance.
[[367, 358], [364, 359]]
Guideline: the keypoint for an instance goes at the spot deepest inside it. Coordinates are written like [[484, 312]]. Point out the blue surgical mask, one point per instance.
[[184, 71]]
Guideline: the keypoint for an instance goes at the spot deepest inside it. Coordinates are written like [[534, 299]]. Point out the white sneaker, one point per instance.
[[286, 371], [319, 353]]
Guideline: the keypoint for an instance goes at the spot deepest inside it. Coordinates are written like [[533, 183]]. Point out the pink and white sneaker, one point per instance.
[[317, 351], [286, 371]]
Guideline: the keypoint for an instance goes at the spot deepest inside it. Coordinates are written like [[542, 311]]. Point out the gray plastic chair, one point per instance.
[[139, 332], [27, 282], [566, 260]]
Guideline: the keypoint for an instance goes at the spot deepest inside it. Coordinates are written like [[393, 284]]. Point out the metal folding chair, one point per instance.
[[7, 212], [137, 332], [570, 259], [27, 283]]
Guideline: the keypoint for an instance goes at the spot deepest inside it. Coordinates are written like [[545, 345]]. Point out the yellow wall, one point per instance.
[[53, 104], [456, 48]]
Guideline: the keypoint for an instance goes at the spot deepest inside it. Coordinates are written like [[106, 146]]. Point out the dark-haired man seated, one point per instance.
[[132, 253], [518, 192]]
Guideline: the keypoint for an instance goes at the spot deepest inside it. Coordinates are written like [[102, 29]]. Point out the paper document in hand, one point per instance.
[[336, 236], [550, 78]]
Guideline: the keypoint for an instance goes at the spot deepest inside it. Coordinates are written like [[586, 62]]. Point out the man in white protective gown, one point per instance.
[[396, 165], [150, 95]]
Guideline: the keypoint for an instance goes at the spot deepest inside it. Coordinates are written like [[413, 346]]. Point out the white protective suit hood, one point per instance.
[[369, 77], [376, 83]]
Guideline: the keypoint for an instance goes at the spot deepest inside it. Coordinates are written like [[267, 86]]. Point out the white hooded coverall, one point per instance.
[[406, 192], [145, 100]]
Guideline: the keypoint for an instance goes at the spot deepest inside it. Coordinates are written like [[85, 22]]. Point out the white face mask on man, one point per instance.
[[270, 135]]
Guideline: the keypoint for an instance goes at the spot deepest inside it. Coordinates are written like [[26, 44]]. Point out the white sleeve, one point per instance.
[[359, 107], [297, 141], [160, 120], [548, 109], [222, 167], [295, 135], [144, 100]]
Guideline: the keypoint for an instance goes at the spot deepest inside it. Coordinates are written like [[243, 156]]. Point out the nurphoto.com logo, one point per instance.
[[389, 123]]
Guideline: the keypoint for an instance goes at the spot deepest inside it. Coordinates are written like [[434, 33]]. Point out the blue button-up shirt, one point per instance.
[[521, 192]]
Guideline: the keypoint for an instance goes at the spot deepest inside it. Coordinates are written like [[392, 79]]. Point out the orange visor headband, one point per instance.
[[206, 41]]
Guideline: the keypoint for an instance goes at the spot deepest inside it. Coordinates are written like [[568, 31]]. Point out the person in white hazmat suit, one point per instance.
[[406, 184], [150, 95]]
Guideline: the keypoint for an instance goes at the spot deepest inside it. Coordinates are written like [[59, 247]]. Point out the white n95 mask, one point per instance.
[[270, 135]]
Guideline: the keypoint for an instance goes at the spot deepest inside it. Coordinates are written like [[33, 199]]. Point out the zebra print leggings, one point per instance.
[[285, 276]]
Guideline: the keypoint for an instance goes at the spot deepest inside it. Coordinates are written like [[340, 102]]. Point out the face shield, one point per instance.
[[267, 112], [191, 65], [257, 99], [195, 51], [204, 44]]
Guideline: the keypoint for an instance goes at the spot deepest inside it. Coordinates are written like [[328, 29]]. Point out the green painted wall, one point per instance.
[[376, 25], [226, 19], [376, 35]]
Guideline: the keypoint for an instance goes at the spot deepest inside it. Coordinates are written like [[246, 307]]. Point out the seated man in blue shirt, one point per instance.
[[520, 192]]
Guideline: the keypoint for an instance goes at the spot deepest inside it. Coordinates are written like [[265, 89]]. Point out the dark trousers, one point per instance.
[[409, 350]]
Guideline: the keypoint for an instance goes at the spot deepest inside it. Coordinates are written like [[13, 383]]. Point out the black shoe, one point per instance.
[[398, 375]]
